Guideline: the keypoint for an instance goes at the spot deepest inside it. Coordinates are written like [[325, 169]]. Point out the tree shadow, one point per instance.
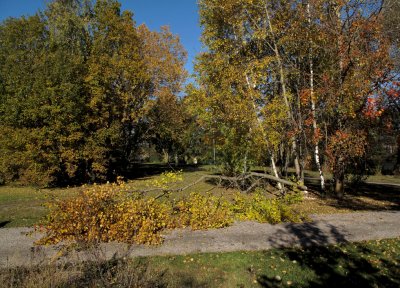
[[332, 265], [382, 192], [309, 234], [362, 197], [4, 223], [144, 170], [335, 267]]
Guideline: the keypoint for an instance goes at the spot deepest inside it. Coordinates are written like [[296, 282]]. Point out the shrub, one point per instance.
[[202, 212], [140, 221], [109, 213], [103, 214], [259, 207]]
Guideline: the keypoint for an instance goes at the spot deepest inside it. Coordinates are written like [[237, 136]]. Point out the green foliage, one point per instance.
[[75, 91]]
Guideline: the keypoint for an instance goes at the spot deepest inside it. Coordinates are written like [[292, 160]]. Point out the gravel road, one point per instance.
[[16, 248]]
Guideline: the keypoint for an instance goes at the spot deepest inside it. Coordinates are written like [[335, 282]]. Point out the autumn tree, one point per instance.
[[322, 64], [247, 42], [118, 84], [356, 68], [391, 14], [43, 99], [76, 89], [165, 58]]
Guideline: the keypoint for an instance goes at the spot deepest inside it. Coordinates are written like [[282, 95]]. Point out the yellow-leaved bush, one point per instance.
[[261, 208], [104, 213], [202, 212]]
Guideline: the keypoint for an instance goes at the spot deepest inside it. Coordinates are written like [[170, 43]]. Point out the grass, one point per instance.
[[361, 197], [23, 206], [393, 179], [364, 264]]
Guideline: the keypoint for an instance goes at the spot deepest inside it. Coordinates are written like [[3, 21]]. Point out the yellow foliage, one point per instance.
[[165, 179], [203, 212], [260, 208], [104, 213]]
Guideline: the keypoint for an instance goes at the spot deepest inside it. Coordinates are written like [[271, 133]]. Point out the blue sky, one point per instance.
[[180, 15]]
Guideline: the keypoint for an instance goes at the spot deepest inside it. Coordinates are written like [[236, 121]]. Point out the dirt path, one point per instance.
[[17, 249]]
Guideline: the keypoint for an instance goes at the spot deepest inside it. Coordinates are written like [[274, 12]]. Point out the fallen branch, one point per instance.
[[233, 180], [283, 181]]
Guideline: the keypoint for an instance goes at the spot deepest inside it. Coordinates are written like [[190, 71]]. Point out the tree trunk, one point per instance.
[[339, 178], [176, 159], [339, 186], [165, 156], [213, 152], [275, 171], [313, 113], [245, 161], [284, 94], [397, 167]]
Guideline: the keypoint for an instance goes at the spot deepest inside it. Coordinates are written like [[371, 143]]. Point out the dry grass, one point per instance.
[[364, 264], [114, 273]]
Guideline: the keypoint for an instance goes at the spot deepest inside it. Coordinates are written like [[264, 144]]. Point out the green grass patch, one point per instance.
[[23, 206], [364, 264], [392, 179]]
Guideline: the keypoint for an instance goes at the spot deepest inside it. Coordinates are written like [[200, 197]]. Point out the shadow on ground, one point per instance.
[[141, 170], [308, 234], [336, 267], [4, 223], [363, 196], [333, 265]]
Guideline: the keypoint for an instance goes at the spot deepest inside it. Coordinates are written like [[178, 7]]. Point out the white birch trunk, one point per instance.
[[313, 113], [275, 171]]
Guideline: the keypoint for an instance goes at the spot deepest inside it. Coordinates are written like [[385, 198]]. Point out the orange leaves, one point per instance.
[[346, 146], [305, 96], [394, 92], [372, 109]]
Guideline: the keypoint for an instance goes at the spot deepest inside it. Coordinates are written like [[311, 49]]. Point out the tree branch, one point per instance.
[[233, 180]]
